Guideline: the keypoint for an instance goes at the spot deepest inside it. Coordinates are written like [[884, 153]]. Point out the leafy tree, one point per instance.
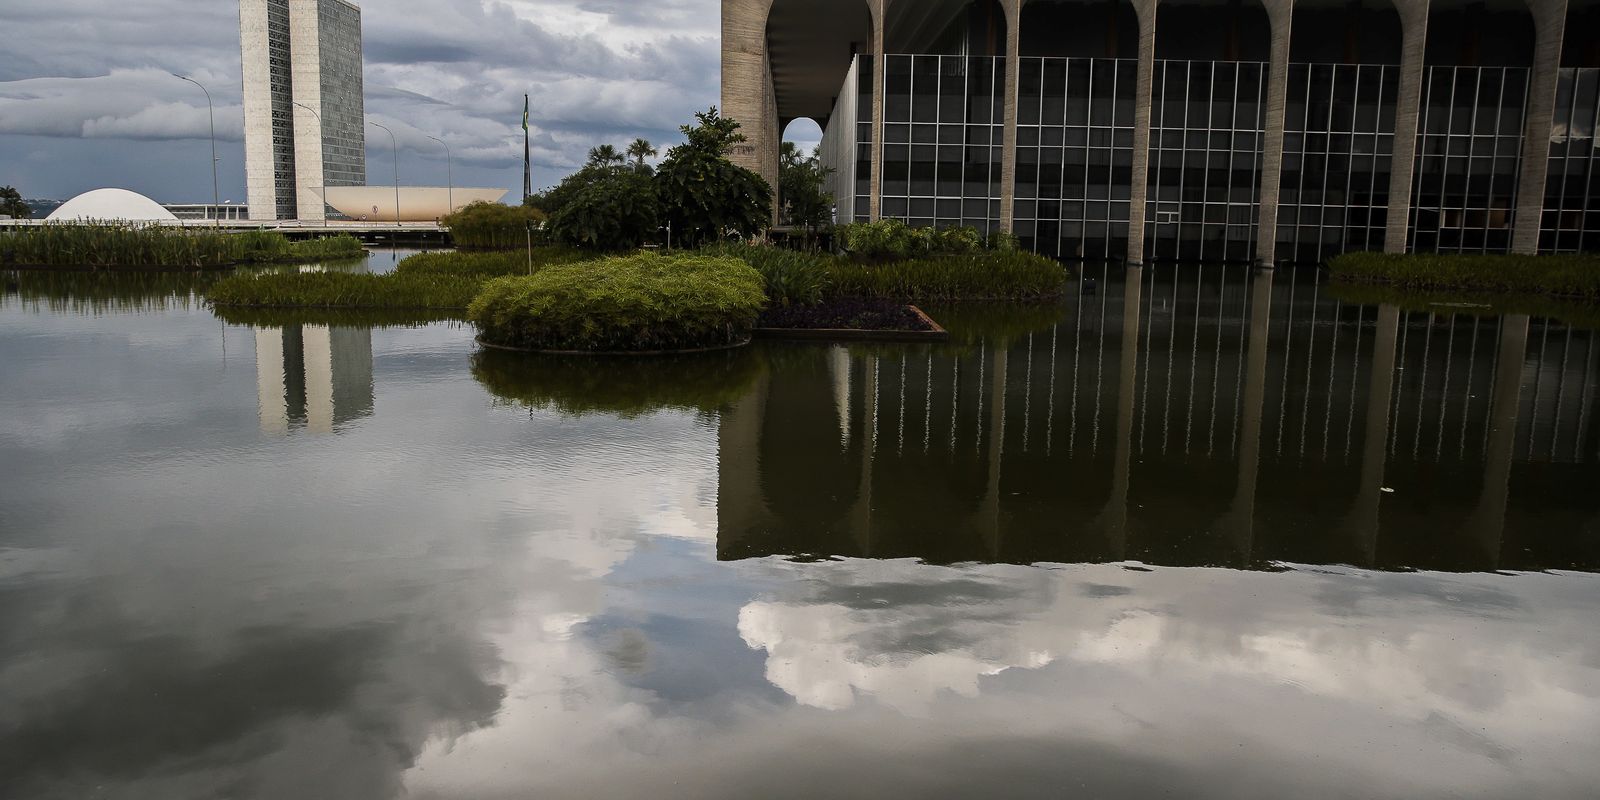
[[605, 156], [705, 196], [640, 150], [606, 208], [11, 204], [800, 181]]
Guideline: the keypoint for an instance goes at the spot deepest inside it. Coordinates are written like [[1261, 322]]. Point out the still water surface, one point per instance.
[[1191, 535]]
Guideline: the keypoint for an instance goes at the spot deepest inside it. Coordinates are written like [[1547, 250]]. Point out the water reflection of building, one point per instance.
[[1202, 417], [313, 375]]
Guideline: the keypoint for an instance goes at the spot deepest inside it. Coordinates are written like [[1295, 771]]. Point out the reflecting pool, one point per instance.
[[1191, 532]]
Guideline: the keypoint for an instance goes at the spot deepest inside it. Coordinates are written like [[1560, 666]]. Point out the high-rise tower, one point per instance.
[[304, 112]]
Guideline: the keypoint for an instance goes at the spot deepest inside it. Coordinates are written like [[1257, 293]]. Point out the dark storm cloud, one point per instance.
[[86, 87]]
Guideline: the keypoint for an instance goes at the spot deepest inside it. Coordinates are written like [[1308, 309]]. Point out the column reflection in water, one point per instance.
[[314, 376], [1179, 417]]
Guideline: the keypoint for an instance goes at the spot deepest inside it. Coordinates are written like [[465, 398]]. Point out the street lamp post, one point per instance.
[[319, 139], [394, 147], [450, 191], [216, 194]]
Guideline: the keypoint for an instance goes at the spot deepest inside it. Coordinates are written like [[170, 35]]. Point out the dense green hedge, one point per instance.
[[492, 226], [1565, 275], [642, 302], [111, 246], [628, 387]]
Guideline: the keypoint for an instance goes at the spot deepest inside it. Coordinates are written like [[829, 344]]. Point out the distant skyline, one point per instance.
[[87, 98]]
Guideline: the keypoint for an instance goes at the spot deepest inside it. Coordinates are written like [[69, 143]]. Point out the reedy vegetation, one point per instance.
[[1561, 275], [124, 246], [492, 226]]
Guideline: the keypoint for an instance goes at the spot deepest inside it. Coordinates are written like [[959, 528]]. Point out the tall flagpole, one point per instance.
[[527, 168]]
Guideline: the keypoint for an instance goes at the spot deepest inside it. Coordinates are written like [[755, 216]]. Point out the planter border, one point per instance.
[[614, 353], [935, 333]]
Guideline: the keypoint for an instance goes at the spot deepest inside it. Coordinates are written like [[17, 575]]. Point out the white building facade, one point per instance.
[[303, 104]]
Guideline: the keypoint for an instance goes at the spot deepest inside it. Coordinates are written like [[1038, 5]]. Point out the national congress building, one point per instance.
[[304, 112], [1240, 130]]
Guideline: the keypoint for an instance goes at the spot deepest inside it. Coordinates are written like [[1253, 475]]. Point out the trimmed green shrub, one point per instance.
[[642, 302], [124, 246], [704, 195], [492, 226], [1564, 275], [577, 386], [792, 278], [982, 276]]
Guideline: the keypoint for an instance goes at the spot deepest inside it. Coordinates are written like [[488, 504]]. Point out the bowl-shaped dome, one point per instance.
[[111, 205]]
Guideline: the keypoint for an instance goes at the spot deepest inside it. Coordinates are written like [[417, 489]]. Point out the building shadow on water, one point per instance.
[[1185, 417]]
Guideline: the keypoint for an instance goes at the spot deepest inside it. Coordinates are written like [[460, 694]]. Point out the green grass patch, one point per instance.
[[638, 303], [994, 275], [108, 246], [795, 278], [427, 281], [1576, 276]]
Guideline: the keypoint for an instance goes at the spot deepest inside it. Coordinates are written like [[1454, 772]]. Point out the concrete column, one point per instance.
[[1280, 13], [1488, 521], [259, 161], [1366, 513], [1008, 155], [746, 85], [989, 521], [1239, 522], [305, 65], [1408, 112], [1549, 23], [271, 381], [1114, 517], [1139, 190], [880, 15]]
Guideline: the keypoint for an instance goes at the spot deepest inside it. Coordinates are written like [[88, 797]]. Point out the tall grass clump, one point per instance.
[[893, 240], [637, 303], [492, 226], [792, 278], [345, 290], [135, 246], [488, 265], [1001, 275], [1575, 276]]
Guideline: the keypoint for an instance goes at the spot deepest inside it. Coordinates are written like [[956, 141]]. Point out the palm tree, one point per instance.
[[640, 150], [605, 156]]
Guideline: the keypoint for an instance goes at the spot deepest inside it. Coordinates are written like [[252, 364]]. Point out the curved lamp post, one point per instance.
[[394, 148], [450, 192], [216, 195]]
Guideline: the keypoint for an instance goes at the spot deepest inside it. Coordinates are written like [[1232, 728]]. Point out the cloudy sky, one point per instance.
[[87, 98]]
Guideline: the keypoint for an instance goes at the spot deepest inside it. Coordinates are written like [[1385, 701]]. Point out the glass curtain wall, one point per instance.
[[1075, 156], [1467, 159], [1337, 147], [1206, 141], [1572, 190], [943, 133]]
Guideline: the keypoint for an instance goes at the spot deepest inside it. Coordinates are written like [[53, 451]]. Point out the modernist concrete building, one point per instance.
[[304, 113], [1194, 130]]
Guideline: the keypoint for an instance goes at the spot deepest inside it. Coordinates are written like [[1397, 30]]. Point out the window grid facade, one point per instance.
[[1206, 125], [344, 138], [283, 167], [942, 135], [1468, 159], [1337, 145], [1571, 221], [1074, 155]]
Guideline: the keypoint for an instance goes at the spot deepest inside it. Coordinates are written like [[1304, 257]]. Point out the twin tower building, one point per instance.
[[304, 112], [1191, 130]]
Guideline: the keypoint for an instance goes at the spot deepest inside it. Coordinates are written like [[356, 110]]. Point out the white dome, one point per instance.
[[111, 205]]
